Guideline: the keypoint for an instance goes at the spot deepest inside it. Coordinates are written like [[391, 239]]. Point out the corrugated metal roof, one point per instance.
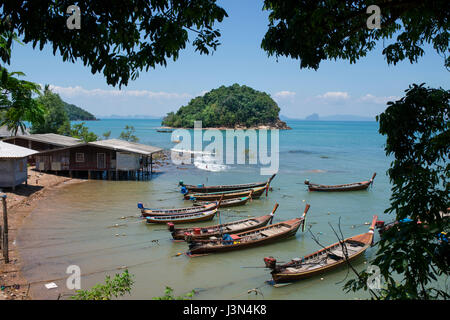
[[52, 138], [10, 151], [122, 145]]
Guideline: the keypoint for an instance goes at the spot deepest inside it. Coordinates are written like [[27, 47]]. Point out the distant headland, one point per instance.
[[233, 107]]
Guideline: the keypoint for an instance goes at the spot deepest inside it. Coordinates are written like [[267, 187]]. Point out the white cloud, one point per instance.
[[334, 95], [370, 98], [284, 94], [80, 91]]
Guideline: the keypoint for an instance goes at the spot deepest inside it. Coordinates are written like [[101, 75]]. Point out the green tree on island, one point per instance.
[[227, 107]]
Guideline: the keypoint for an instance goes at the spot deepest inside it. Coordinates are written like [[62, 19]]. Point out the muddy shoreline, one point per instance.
[[20, 203]]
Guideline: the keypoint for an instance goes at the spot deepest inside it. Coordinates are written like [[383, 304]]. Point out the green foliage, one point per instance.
[[55, 116], [313, 31], [418, 136], [226, 106], [76, 113], [106, 135], [16, 96], [168, 295], [17, 103], [113, 288], [79, 131], [128, 134], [118, 38]]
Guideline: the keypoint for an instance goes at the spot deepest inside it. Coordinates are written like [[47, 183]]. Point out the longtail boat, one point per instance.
[[190, 234], [323, 260], [233, 202], [147, 212], [340, 187], [383, 227], [257, 192], [251, 238], [183, 218], [207, 189]]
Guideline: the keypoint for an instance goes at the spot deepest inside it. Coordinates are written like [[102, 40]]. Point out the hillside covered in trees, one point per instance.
[[76, 113], [228, 107]]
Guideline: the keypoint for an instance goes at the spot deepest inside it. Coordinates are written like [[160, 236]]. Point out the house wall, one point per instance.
[[90, 158], [13, 172], [127, 161]]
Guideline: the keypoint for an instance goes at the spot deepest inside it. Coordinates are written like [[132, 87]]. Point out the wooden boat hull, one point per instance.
[[208, 189], [233, 202], [342, 187], [356, 247], [252, 238], [257, 192], [353, 187], [243, 245], [146, 212], [187, 218], [179, 233]]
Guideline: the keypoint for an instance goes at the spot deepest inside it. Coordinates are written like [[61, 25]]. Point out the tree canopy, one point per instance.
[[418, 135], [117, 38], [313, 31], [55, 115], [16, 96], [227, 107]]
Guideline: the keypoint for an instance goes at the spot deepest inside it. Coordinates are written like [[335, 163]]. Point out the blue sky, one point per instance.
[[336, 88]]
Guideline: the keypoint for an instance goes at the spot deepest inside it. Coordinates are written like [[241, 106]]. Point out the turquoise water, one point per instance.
[[95, 224]]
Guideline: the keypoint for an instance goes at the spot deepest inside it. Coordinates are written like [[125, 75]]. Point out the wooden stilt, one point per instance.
[[89, 174], [5, 230]]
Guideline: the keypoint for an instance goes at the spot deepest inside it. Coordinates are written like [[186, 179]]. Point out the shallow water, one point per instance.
[[76, 225]]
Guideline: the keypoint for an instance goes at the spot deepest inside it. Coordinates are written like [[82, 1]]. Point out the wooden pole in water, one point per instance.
[[5, 230]]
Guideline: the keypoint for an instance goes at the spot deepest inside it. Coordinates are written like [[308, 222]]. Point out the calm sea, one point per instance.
[[95, 225]]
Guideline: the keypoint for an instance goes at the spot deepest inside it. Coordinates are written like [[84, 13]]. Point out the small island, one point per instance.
[[233, 107]]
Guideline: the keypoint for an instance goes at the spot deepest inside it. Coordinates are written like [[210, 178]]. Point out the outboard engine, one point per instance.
[[140, 206], [306, 181], [379, 224], [184, 190], [171, 226], [270, 262], [187, 237]]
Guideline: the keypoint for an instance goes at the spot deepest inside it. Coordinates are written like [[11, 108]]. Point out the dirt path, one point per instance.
[[21, 203]]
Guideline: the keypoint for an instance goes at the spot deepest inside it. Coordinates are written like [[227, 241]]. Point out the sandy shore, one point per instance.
[[21, 203]]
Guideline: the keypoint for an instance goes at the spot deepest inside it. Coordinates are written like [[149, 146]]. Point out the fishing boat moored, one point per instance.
[[257, 192], [183, 218], [323, 260], [341, 187], [232, 202], [190, 234], [147, 212], [207, 189], [252, 238]]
